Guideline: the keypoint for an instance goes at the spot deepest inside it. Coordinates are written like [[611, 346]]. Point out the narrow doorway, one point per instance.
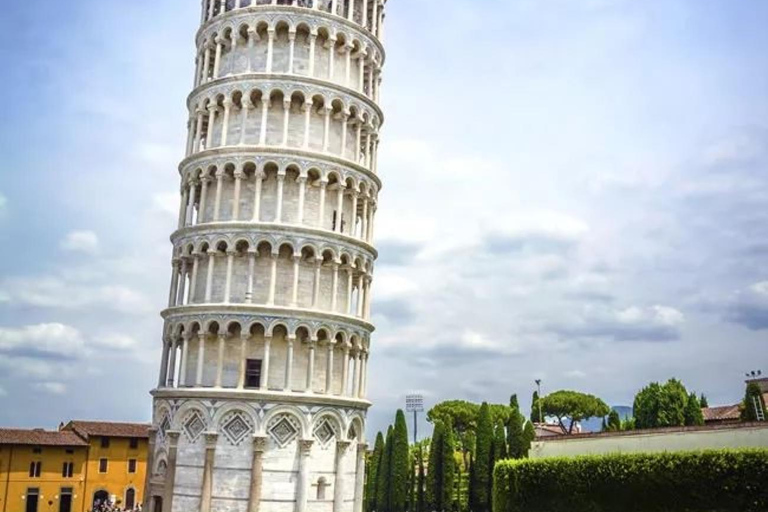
[[65, 499]]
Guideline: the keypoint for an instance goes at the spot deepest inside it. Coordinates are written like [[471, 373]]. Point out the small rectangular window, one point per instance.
[[105, 442], [253, 374], [37, 449], [68, 469], [131, 465], [70, 451], [35, 468], [134, 443], [103, 465]]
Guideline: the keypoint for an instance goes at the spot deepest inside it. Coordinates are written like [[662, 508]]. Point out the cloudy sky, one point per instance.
[[576, 190]]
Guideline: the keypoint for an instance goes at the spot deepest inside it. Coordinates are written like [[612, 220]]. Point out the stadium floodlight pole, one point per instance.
[[415, 404], [538, 388]]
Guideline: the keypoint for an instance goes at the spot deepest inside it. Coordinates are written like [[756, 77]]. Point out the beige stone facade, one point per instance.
[[261, 399]]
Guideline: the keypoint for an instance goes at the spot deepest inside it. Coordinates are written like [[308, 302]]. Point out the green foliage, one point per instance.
[[481, 483], [515, 436], [614, 422], [373, 470], [573, 406], [399, 466], [514, 403], [535, 407], [658, 406], [440, 477], [383, 490], [529, 435], [500, 451], [748, 411], [709, 481], [703, 401], [693, 415]]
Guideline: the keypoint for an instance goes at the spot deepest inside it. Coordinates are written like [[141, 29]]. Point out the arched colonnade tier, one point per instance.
[[257, 269], [255, 438], [366, 14], [265, 355], [290, 194], [279, 114], [290, 44]]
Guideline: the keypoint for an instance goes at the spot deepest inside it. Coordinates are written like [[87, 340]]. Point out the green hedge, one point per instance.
[[710, 481]]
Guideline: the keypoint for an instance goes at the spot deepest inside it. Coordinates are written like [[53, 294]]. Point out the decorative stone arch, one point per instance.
[[285, 410], [192, 421], [280, 323], [355, 425], [236, 422], [160, 464], [327, 425]]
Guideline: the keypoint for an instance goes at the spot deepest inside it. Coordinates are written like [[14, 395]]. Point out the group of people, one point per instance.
[[108, 506]]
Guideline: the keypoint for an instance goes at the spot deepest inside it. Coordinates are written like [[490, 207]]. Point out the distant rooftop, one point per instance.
[[86, 429], [39, 437]]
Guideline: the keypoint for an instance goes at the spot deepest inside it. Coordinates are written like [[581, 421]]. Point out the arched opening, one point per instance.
[[100, 497], [130, 499]]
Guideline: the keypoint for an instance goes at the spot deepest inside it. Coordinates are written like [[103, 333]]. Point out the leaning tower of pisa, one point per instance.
[[261, 401]]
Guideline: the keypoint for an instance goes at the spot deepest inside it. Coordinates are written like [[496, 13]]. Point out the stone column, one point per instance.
[[327, 128], [307, 121], [203, 199], [345, 372], [246, 101], [339, 227], [321, 212], [193, 279], [312, 44], [270, 48], [174, 282], [170, 472], [292, 49], [265, 104], [286, 120], [280, 188], [329, 369], [257, 197], [338, 488], [302, 181], [360, 477], [243, 359], [311, 366], [220, 362], [228, 282], [257, 477], [225, 122], [272, 280], [200, 359], [265, 364], [150, 468], [182, 288], [239, 175], [335, 287], [212, 110], [302, 485], [163, 380], [295, 289], [171, 382], [252, 254], [184, 359], [219, 189], [209, 277], [206, 492], [289, 365], [316, 286]]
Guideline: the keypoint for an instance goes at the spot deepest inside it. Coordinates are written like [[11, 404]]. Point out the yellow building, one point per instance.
[[41, 471], [116, 463], [69, 470]]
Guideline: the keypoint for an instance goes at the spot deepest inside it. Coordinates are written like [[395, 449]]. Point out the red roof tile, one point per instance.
[[725, 413], [9, 436], [108, 429]]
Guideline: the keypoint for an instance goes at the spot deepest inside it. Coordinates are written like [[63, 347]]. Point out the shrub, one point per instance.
[[708, 481]]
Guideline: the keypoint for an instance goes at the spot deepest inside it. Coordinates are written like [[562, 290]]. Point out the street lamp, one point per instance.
[[414, 404]]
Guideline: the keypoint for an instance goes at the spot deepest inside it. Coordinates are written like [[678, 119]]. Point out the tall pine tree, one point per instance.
[[481, 479], [373, 470], [515, 437], [535, 416], [448, 462], [399, 466], [440, 476], [383, 488]]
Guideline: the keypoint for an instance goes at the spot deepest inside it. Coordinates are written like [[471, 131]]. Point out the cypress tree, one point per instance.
[[535, 407], [482, 467], [399, 466], [515, 439], [514, 403], [703, 401], [693, 415], [448, 462], [383, 503], [421, 483], [500, 451], [434, 478], [373, 469], [529, 435]]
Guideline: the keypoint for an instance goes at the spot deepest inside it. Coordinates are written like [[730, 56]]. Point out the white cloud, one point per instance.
[[81, 241], [53, 292], [114, 341], [54, 388], [54, 338]]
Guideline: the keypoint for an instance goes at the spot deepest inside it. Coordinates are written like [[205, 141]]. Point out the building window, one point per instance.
[[35, 468], [65, 499], [131, 465], [33, 496], [105, 442], [253, 374], [68, 469], [134, 443], [103, 464], [37, 449], [70, 451], [321, 485]]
